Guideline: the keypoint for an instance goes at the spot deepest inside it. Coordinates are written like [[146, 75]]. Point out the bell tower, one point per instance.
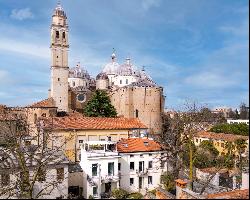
[[59, 58]]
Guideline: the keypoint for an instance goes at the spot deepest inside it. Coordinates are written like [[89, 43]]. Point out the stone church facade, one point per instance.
[[132, 92]]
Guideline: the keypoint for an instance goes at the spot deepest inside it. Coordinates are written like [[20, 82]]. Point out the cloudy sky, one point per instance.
[[196, 49]]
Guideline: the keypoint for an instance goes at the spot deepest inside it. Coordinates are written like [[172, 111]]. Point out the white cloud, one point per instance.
[[147, 4], [210, 80], [32, 49], [21, 14]]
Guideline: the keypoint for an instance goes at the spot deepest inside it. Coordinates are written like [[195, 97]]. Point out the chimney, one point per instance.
[[180, 185]]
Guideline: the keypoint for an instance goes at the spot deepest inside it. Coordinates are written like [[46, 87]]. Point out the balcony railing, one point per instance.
[[110, 178], [90, 180], [142, 173]]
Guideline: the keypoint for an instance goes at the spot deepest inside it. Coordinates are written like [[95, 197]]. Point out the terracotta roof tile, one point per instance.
[[221, 171], [137, 145], [46, 103], [220, 136], [235, 194], [92, 123]]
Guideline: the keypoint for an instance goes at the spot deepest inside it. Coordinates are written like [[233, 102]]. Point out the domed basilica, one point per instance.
[[132, 92]]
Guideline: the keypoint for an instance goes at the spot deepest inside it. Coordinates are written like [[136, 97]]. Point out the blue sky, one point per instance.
[[196, 49]]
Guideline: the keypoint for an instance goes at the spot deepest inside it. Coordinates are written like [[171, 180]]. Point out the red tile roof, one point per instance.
[[235, 194], [46, 103], [137, 145], [220, 136], [92, 123], [221, 171]]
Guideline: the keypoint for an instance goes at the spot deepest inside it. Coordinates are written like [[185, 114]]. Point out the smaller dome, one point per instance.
[[102, 76]]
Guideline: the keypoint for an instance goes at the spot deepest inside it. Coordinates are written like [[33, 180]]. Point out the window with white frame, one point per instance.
[[150, 180], [131, 181]]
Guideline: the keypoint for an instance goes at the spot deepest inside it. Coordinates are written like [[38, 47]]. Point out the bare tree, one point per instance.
[[180, 130], [29, 167]]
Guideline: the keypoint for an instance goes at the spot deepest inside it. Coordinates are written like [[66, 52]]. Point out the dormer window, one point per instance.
[[146, 143]]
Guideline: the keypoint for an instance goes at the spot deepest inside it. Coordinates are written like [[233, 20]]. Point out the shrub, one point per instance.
[[119, 193], [135, 195]]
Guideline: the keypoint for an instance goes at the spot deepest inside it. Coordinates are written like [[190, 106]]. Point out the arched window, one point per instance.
[[57, 34], [136, 113]]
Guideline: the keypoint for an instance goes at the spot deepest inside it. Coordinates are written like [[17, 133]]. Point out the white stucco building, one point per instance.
[[238, 121], [140, 164], [99, 161], [51, 181]]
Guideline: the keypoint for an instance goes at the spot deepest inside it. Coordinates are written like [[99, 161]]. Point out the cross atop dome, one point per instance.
[[59, 6]]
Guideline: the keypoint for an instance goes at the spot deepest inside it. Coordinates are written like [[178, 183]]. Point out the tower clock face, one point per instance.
[[81, 98]]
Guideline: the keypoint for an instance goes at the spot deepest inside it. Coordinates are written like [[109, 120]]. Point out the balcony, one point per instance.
[[99, 148], [142, 173], [110, 178]]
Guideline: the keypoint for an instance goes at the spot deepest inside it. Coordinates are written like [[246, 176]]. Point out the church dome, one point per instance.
[[112, 67], [126, 69], [78, 72], [102, 76]]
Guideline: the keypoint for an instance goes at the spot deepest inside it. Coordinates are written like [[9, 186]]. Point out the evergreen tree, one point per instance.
[[100, 106]]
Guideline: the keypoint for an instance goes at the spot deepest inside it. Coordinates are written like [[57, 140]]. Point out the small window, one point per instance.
[[150, 180], [27, 142], [131, 181], [109, 138], [35, 118], [222, 145], [120, 81], [79, 157], [80, 141], [74, 84], [131, 156], [94, 169], [111, 168], [136, 113], [57, 34], [126, 81], [119, 166], [60, 174], [141, 155], [150, 164], [5, 179], [63, 35], [132, 166], [58, 79], [197, 140], [95, 191], [44, 115], [150, 154]]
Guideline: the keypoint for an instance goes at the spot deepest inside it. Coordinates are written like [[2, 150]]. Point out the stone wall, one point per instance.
[[146, 103]]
